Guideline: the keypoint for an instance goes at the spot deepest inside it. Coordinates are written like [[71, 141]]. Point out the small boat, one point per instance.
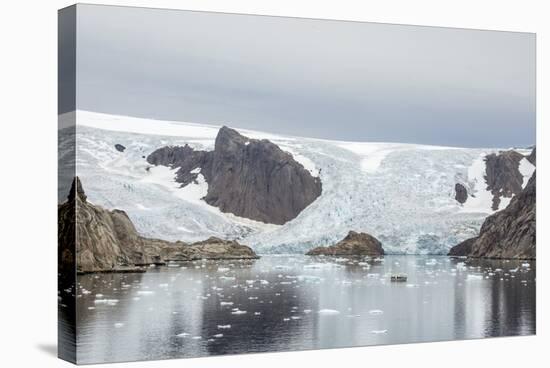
[[398, 278]]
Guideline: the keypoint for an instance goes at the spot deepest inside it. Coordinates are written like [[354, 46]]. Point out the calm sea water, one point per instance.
[[282, 303]]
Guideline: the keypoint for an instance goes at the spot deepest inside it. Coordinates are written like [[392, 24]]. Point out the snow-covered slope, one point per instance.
[[401, 193]]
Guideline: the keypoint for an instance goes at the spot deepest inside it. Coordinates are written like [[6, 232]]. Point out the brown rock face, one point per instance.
[[510, 233], [107, 240], [247, 177], [354, 244]]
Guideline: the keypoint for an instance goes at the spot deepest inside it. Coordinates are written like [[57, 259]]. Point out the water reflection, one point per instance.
[[295, 302]]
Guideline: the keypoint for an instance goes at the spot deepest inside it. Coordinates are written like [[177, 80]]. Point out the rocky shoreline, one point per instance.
[[107, 241]]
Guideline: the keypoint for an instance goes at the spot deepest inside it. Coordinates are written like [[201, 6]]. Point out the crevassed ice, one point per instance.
[[401, 193]]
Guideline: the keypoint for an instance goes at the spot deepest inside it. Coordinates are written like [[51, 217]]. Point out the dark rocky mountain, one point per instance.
[[107, 240], [354, 244], [461, 193], [502, 176], [247, 177], [510, 233], [533, 156]]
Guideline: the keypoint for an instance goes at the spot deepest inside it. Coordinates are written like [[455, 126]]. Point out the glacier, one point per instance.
[[403, 194]]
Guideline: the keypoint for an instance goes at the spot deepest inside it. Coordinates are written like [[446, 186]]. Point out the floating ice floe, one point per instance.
[[329, 312], [223, 269], [376, 312], [224, 327], [217, 336], [145, 292], [227, 278], [238, 312], [474, 277], [378, 332], [106, 301], [183, 334], [264, 282], [226, 303], [118, 325], [307, 311], [257, 313]]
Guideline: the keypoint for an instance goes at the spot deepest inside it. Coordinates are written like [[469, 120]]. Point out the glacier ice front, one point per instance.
[[403, 194]]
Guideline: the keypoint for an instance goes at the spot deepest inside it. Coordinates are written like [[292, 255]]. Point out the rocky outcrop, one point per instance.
[[462, 249], [461, 193], [246, 177], [107, 240], [510, 233], [120, 147], [354, 244], [503, 176], [532, 158]]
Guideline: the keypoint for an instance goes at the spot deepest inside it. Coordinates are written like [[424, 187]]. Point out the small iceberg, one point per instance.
[[329, 312], [378, 332], [224, 327], [145, 292], [376, 312]]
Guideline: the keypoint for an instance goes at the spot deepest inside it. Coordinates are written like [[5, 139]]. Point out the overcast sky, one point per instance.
[[326, 79]]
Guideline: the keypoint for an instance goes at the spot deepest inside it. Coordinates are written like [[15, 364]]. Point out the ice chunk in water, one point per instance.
[[145, 292], [376, 312], [217, 336], [224, 327], [119, 325], [329, 312], [238, 312], [183, 334], [377, 332]]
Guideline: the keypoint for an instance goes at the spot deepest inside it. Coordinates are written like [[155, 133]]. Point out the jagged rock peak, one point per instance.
[[77, 189], [249, 178]]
